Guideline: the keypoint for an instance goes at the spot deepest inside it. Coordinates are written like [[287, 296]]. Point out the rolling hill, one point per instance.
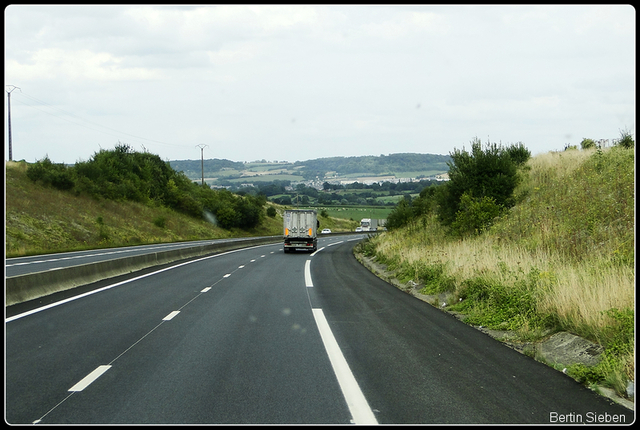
[[226, 172]]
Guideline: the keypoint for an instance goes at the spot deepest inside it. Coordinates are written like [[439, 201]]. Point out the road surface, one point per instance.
[[262, 337]]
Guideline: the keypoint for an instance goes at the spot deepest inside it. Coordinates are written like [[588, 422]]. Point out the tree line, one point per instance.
[[123, 174], [279, 192]]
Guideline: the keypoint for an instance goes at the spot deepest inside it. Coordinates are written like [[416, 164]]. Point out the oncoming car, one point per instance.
[[325, 231]]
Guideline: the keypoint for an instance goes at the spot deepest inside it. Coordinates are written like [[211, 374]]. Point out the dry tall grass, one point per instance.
[[573, 231]]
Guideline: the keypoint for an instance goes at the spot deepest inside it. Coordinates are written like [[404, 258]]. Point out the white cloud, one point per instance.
[[407, 24], [255, 81], [84, 65]]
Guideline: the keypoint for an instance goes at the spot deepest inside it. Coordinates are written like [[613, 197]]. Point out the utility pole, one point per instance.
[[9, 118], [202, 146]]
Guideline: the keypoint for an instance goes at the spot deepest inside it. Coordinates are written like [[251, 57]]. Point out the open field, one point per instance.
[[325, 169]]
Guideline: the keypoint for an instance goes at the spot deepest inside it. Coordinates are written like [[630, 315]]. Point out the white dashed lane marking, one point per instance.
[[87, 380]]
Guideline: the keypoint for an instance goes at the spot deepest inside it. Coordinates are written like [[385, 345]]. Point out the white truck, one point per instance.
[[371, 224], [301, 230]]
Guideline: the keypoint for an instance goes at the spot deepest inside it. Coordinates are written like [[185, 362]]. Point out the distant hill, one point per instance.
[[392, 164], [193, 168]]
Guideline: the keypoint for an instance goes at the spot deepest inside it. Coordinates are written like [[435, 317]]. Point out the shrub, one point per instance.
[[518, 153], [626, 141], [475, 215], [489, 172], [56, 175], [400, 216], [587, 144], [227, 217], [160, 221], [123, 174]]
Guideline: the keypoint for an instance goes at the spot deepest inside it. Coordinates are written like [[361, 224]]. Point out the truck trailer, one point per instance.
[[300, 230], [372, 224]]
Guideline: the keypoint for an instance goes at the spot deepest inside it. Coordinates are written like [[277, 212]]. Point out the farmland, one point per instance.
[[336, 181]]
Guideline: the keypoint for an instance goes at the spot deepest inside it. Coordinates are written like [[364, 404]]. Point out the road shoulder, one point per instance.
[[562, 347]]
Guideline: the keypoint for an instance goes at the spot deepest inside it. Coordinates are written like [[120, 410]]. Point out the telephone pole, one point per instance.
[[9, 118], [202, 146]]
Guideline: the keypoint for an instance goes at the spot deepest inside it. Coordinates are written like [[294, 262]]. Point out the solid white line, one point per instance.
[[84, 383], [170, 316], [307, 274], [358, 406], [314, 253]]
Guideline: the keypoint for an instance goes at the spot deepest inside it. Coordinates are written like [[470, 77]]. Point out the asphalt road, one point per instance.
[[259, 336]]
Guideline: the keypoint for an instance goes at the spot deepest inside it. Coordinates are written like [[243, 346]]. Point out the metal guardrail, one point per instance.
[[31, 286]]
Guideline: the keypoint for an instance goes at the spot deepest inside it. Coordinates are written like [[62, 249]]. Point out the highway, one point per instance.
[[38, 263], [257, 336]]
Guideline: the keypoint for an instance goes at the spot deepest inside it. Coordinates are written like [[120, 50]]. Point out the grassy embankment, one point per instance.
[[562, 259], [40, 220]]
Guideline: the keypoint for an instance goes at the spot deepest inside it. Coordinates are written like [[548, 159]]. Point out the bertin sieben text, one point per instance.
[[587, 418]]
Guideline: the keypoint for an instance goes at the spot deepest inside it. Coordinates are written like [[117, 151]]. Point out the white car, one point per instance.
[[358, 229], [325, 231]]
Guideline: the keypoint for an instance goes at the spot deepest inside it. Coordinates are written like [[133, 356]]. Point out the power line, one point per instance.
[[78, 118]]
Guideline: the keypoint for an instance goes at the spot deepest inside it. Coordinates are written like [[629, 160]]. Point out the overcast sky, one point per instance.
[[303, 82]]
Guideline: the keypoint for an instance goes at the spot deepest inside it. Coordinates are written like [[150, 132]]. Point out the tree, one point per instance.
[[483, 172], [400, 216]]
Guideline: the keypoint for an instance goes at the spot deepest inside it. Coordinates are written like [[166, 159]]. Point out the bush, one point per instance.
[[587, 144], [271, 212], [475, 215], [227, 217], [518, 153], [160, 222], [56, 175], [400, 216], [123, 174], [490, 172], [626, 141]]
